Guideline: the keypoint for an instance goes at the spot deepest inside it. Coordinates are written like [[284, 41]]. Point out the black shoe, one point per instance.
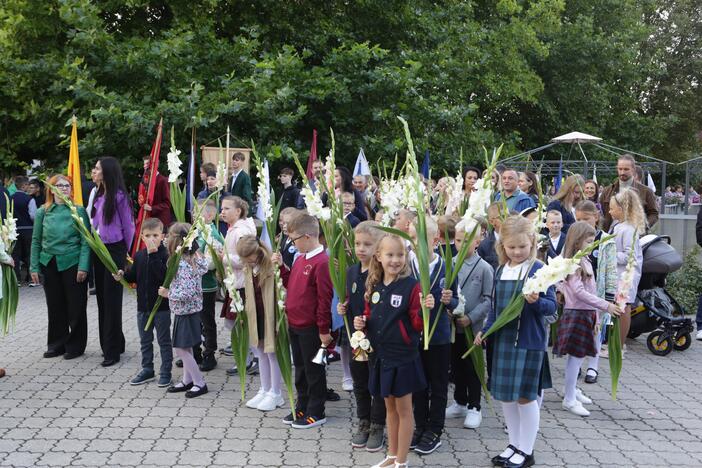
[[233, 371], [289, 419], [69, 356], [208, 363], [109, 362], [416, 437], [308, 422], [591, 378], [179, 387], [528, 461], [333, 356], [500, 461], [196, 393], [179, 363], [51, 354], [429, 443], [332, 395], [252, 368]]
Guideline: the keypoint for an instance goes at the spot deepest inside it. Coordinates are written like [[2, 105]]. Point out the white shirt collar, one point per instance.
[[314, 252], [516, 268], [555, 240]]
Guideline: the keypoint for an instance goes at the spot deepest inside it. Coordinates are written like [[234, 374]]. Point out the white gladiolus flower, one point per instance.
[[557, 270], [315, 207], [221, 175], [264, 199], [454, 193], [478, 203], [174, 163]]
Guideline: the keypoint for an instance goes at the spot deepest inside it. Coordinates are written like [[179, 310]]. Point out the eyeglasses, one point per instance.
[[63, 186], [295, 239]]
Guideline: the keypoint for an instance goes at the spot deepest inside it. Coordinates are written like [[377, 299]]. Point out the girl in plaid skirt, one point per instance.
[[519, 348], [576, 328]]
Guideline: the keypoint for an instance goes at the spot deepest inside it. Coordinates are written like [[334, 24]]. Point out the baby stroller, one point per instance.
[[657, 311]]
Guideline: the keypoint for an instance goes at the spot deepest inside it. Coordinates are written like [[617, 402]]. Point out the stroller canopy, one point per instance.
[[658, 255]]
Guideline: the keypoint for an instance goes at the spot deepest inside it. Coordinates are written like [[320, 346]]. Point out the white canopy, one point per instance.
[[576, 137]]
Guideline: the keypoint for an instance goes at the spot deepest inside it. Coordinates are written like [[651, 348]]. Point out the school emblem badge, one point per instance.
[[375, 298], [353, 288], [395, 300]]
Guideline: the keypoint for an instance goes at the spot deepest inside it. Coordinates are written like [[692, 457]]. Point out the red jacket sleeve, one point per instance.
[[161, 207], [415, 308], [325, 292]]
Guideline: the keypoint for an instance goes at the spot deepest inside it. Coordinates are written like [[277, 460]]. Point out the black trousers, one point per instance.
[[66, 303], [310, 378], [109, 301], [430, 404], [209, 324], [467, 385], [21, 252], [368, 407]]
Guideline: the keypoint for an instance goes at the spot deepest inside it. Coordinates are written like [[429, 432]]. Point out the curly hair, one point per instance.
[[375, 270]]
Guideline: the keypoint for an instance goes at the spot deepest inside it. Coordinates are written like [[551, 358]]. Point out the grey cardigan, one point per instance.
[[475, 291]]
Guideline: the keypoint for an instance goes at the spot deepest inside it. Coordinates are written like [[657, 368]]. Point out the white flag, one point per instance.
[[361, 167], [594, 174], [650, 183]]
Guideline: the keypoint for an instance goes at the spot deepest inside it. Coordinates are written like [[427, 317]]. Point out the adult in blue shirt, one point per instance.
[[516, 199]]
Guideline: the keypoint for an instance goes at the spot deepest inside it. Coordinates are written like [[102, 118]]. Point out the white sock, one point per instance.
[[529, 415], [571, 377], [511, 413]]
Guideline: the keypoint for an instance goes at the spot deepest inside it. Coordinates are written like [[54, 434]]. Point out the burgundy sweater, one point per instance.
[[310, 291]]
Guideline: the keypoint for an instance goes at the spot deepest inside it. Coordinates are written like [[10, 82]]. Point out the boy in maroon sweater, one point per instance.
[[308, 307]]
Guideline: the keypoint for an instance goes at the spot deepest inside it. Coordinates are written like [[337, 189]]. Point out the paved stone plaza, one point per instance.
[[63, 413]]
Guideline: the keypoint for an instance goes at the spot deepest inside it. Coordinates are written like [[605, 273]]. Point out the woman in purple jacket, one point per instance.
[[111, 217]]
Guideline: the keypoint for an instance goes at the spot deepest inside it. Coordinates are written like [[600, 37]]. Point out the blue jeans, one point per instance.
[[162, 325]]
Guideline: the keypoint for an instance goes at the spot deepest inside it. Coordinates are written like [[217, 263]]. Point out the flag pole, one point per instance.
[[153, 169]]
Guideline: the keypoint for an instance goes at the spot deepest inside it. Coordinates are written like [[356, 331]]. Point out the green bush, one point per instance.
[[685, 285]]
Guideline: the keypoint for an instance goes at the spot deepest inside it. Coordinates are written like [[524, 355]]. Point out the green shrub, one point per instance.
[[685, 285]]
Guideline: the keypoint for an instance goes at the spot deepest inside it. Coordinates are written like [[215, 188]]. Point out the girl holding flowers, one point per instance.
[[259, 306], [576, 328], [393, 321], [629, 222], [185, 300], [519, 347]]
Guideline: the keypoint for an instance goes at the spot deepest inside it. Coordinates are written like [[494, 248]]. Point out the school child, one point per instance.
[[430, 403], [349, 204], [210, 171], [604, 265], [629, 218], [556, 238], [370, 410], [308, 307], [519, 347], [486, 249], [577, 325], [447, 227], [403, 220], [208, 211], [148, 272], [393, 322], [287, 247], [260, 299], [185, 300], [475, 278]]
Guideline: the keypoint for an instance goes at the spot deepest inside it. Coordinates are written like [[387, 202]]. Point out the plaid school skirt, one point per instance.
[[576, 333], [516, 372]]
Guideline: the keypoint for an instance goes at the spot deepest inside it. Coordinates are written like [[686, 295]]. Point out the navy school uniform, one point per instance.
[[393, 321], [430, 403], [288, 251], [368, 408], [555, 251], [519, 348]]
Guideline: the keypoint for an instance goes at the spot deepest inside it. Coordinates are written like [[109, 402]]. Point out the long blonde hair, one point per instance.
[[252, 245], [513, 226], [565, 194], [375, 270], [634, 214]]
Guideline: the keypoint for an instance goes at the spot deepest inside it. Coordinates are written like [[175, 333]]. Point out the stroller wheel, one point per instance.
[[682, 342], [658, 345]]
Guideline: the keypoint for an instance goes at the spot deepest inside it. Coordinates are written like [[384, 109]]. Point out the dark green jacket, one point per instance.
[[242, 187], [55, 235]]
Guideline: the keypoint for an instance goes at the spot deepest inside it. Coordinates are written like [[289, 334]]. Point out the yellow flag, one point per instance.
[[74, 171]]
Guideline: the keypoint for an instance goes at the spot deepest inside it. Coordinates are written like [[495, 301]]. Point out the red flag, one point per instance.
[[313, 156], [147, 195]]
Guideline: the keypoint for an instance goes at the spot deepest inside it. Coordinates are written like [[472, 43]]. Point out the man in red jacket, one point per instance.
[[161, 204], [308, 306]]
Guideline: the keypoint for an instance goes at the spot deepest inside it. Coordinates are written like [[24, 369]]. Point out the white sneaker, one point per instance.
[[456, 411], [253, 403], [580, 396], [604, 354], [576, 408], [699, 335], [271, 401], [347, 385], [473, 419]]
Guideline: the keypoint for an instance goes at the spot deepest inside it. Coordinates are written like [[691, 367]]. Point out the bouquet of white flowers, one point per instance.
[[10, 291], [174, 171], [361, 346]]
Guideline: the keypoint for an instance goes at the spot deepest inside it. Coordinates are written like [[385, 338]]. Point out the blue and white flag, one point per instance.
[[362, 167]]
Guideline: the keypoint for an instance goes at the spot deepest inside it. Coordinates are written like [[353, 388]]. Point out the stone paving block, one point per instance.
[[21, 459], [126, 458]]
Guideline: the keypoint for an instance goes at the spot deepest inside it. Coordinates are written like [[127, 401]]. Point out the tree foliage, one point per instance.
[[465, 74]]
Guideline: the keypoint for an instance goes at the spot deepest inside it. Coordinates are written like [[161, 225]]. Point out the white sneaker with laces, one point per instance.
[[473, 418], [347, 385], [604, 354], [580, 396], [576, 408], [254, 402], [456, 411], [699, 335], [271, 401]]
